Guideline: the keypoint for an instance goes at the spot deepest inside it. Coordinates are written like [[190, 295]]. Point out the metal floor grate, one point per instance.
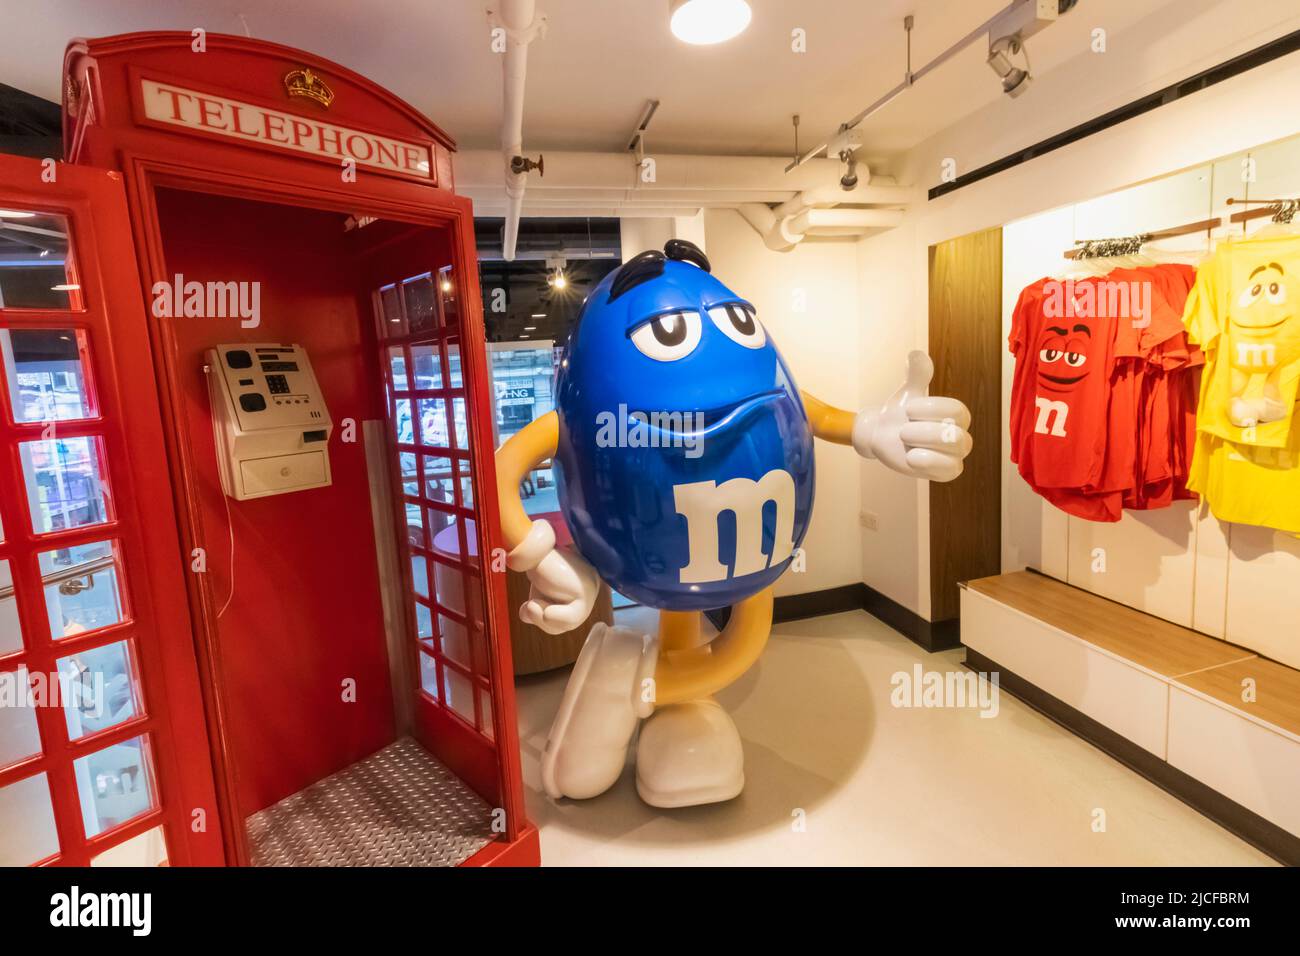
[[397, 807]]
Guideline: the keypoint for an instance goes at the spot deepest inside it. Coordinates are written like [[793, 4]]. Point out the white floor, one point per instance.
[[837, 775]]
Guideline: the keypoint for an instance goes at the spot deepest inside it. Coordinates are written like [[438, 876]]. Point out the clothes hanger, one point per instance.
[[1282, 211]]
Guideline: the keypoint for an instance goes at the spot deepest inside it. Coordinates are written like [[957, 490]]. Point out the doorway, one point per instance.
[[350, 659]]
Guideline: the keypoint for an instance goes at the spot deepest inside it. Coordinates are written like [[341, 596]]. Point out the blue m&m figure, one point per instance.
[[683, 451]]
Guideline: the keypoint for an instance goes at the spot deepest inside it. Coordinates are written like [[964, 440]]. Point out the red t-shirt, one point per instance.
[[1099, 397]]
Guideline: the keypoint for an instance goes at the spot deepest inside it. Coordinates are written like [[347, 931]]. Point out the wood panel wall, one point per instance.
[[966, 345]]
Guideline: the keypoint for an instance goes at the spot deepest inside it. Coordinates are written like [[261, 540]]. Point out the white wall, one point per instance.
[[807, 300], [1235, 115]]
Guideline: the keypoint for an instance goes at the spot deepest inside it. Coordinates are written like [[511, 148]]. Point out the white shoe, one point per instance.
[[689, 754], [1243, 413], [587, 746], [1271, 410]]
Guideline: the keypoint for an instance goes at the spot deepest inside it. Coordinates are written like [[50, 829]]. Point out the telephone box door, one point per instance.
[[104, 756], [430, 335]]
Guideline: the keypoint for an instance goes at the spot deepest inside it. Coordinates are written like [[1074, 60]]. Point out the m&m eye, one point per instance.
[[737, 321], [667, 338]]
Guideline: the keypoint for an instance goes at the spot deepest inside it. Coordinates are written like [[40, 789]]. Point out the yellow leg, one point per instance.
[[686, 671]]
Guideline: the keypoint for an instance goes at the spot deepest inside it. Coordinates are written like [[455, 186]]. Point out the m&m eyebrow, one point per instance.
[[1271, 265], [743, 303], [1084, 329]]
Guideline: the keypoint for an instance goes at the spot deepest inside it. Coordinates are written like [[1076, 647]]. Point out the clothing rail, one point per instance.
[[1128, 245], [1282, 210]]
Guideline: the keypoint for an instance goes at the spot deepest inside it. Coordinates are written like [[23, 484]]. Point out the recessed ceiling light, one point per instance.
[[538, 315], [702, 22], [530, 328], [66, 287]]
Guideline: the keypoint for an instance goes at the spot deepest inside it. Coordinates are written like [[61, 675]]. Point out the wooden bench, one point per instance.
[[1213, 723]]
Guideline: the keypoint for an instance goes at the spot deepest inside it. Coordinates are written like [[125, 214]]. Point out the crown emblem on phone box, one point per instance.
[[306, 83]]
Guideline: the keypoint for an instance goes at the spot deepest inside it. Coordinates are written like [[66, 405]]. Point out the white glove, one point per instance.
[[914, 434], [564, 586]]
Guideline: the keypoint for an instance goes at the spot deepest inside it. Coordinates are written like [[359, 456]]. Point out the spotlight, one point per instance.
[[1014, 80], [557, 280], [702, 22], [1008, 33]]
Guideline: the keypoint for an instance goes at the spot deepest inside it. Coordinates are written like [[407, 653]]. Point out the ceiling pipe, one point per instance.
[[783, 233], [843, 221], [581, 170], [522, 25], [766, 224], [879, 193], [588, 184]]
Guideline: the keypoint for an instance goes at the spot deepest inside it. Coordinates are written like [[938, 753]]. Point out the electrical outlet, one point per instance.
[[868, 519]]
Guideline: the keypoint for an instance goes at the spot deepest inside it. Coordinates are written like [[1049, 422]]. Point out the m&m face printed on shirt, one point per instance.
[[1263, 304], [1063, 355]]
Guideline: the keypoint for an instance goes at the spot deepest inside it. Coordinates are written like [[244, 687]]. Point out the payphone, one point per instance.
[[269, 420]]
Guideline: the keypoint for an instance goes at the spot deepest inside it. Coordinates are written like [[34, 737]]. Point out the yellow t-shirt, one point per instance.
[[1249, 485], [1243, 312]]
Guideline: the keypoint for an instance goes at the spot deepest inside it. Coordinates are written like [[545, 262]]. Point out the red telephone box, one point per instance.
[[237, 193]]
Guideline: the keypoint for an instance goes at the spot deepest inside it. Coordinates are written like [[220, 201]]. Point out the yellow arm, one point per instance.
[[521, 453], [828, 422]]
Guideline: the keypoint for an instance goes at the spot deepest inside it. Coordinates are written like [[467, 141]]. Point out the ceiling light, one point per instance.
[[702, 22], [446, 285], [530, 328], [66, 287], [538, 315], [1000, 52]]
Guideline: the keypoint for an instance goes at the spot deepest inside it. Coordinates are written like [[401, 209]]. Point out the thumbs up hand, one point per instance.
[[913, 433]]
